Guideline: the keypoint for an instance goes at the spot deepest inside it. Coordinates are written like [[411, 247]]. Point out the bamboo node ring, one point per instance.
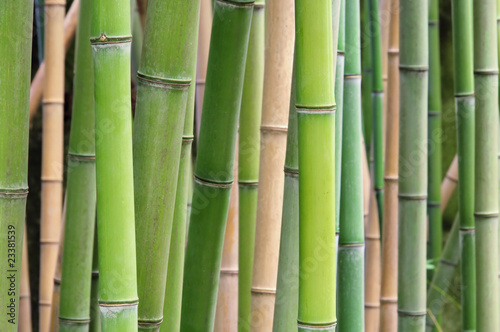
[[410, 313], [212, 183], [152, 323], [259, 290], [75, 321], [323, 327]]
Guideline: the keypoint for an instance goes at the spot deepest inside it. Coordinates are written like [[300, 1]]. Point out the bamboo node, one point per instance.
[[229, 271], [293, 172], [434, 113], [446, 262], [486, 72], [187, 139], [413, 197], [14, 193], [81, 157], [319, 110], [103, 39], [168, 83], [390, 178], [388, 300], [251, 184], [213, 184], [402, 312], [352, 77], [322, 327], [372, 305], [416, 68], [248, 3], [260, 290], [486, 215], [150, 323], [55, 2], [74, 321], [433, 203], [131, 303], [451, 178], [276, 129]]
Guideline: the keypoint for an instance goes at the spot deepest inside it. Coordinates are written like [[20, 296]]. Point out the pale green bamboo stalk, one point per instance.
[[95, 321], [367, 80]]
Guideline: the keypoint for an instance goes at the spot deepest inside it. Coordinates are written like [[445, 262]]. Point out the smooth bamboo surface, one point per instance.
[[385, 11], [37, 85], [367, 81], [372, 268], [24, 291], [142, 8], [449, 183], [389, 246], [95, 315], [279, 47], [52, 155]]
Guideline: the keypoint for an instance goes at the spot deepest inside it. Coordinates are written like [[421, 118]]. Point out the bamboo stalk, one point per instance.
[[412, 183], [24, 292], [248, 167], [315, 40], [449, 183], [226, 313], [15, 58], [164, 76], [372, 268], [385, 13], [287, 286], [142, 8], [81, 189], [40, 27], [486, 168], [277, 83], [464, 101], [37, 85], [351, 270], [367, 80], [52, 155], [95, 321], [214, 168], [114, 178], [388, 291]]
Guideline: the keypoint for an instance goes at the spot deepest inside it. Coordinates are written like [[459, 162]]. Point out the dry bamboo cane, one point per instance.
[[372, 267], [385, 9], [388, 296], [449, 183], [204, 31], [280, 30], [52, 154], [24, 292], [37, 85], [226, 314]]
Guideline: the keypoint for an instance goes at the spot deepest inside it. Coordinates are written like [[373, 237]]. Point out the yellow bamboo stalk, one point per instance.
[[36, 90], [449, 184], [280, 32], [24, 292], [384, 15], [389, 294], [52, 154], [226, 314]]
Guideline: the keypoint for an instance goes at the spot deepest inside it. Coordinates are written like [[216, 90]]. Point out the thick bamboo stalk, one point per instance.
[[486, 168], [248, 156], [388, 291], [377, 95], [214, 167], [277, 86], [412, 183], [52, 155], [37, 85], [201, 66], [434, 245], [443, 277], [74, 309], [226, 313], [372, 268], [95, 321], [287, 286], [15, 59], [114, 177], [315, 68], [164, 77], [351, 269], [24, 292], [464, 104], [449, 183], [367, 81]]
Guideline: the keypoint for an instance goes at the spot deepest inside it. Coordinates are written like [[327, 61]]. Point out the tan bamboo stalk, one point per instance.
[[389, 287], [205, 29], [384, 16], [372, 268], [449, 183], [280, 32], [24, 291], [37, 85], [226, 314], [52, 154]]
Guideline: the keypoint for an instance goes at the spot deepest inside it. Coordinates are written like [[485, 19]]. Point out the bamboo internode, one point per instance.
[[24, 291]]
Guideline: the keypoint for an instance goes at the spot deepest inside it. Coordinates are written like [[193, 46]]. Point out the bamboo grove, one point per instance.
[[249, 165]]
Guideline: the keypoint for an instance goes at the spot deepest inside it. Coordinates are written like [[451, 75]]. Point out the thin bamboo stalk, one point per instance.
[[201, 66], [486, 168], [367, 79], [464, 104], [226, 313], [137, 39], [388, 291], [142, 8], [449, 183], [15, 60], [412, 183], [315, 68], [277, 86], [287, 286], [52, 155], [37, 85], [95, 321], [377, 95], [114, 177], [351, 269], [214, 168], [80, 200], [384, 17], [372, 268], [24, 292], [366, 185], [40, 27], [443, 277], [248, 155]]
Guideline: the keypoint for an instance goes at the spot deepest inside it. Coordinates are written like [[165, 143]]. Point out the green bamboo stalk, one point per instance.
[[486, 168], [351, 241], [95, 321], [76, 277], [315, 102], [15, 54], [114, 177], [434, 246], [443, 276], [248, 161], [412, 183], [498, 47], [214, 167], [367, 80], [377, 95], [287, 286], [164, 76], [137, 39], [464, 101]]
